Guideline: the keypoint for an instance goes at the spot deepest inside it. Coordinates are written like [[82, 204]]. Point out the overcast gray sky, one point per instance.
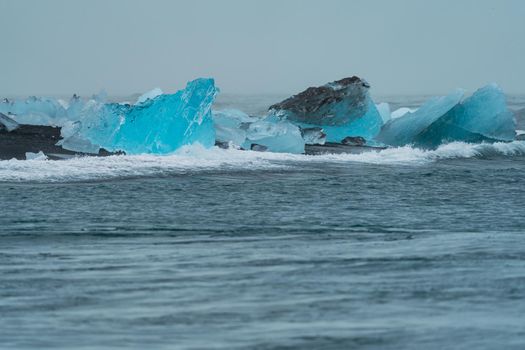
[[266, 46]]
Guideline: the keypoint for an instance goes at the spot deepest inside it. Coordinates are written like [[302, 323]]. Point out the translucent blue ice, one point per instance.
[[275, 134], [231, 126], [484, 116], [403, 130], [158, 126], [341, 108], [35, 111]]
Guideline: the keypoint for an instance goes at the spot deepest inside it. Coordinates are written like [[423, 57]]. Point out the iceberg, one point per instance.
[[275, 135], [36, 156], [35, 111], [76, 143], [482, 117], [157, 125], [231, 126], [267, 133], [338, 115], [403, 130], [342, 108]]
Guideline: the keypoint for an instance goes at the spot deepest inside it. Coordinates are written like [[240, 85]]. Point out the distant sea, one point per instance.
[[226, 249]]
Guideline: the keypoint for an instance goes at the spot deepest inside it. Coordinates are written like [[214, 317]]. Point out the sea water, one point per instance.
[[227, 249]]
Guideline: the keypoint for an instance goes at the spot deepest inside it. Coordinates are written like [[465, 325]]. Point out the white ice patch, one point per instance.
[[191, 159], [398, 113], [150, 95], [36, 156]]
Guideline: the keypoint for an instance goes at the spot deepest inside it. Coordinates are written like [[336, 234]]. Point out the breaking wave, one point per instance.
[[194, 159]]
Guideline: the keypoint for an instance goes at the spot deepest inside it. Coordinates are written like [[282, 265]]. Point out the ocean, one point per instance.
[[227, 249]]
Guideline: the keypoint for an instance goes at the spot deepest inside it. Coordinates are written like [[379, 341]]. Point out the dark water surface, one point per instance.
[[312, 255]]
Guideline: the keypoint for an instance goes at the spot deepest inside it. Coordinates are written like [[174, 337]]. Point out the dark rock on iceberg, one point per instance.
[[342, 108], [316, 105]]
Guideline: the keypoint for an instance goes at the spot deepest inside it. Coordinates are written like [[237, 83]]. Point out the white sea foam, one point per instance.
[[196, 159]]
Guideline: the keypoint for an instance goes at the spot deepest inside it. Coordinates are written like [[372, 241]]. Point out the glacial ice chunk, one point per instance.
[[159, 125], [8, 123], [342, 108], [368, 126], [77, 143], [231, 126], [36, 156], [484, 116], [402, 131], [35, 111], [276, 135], [253, 133]]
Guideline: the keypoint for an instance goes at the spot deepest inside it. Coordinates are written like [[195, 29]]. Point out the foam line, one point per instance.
[[196, 158]]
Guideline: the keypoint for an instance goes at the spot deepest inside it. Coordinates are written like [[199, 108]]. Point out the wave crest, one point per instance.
[[196, 158]]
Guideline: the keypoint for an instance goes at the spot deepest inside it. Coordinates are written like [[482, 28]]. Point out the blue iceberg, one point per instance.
[[157, 125], [484, 116], [367, 126], [341, 108], [275, 135], [403, 130], [267, 133], [160, 123], [231, 126], [36, 111]]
